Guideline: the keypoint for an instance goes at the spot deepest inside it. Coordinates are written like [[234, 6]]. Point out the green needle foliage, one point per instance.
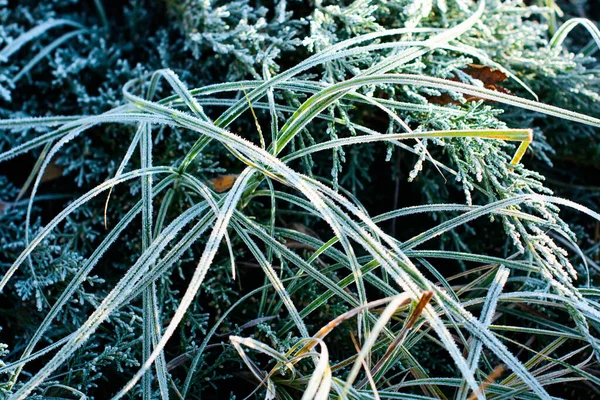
[[311, 199]]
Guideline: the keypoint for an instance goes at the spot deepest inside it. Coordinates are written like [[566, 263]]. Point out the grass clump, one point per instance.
[[324, 200]]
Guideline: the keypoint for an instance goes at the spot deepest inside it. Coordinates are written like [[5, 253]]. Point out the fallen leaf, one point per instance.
[[487, 75], [52, 172], [223, 183]]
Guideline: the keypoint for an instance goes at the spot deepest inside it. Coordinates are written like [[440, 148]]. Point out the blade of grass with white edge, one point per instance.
[[150, 313], [33, 122], [487, 314], [521, 135], [117, 115], [45, 51], [34, 33], [24, 360], [319, 385], [122, 165], [437, 83], [566, 28]]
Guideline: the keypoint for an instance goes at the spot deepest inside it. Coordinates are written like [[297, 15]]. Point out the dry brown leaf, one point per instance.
[[486, 74], [52, 172], [223, 183], [489, 76]]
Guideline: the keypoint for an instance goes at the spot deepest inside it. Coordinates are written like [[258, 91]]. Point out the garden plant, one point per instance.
[[367, 199]]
